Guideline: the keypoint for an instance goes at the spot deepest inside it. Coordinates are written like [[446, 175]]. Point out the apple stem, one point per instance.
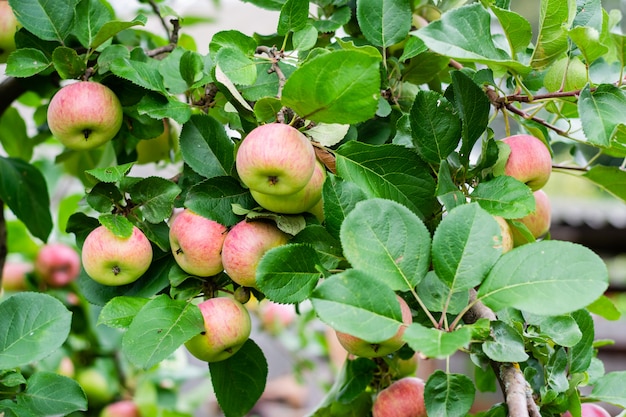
[[179, 251]]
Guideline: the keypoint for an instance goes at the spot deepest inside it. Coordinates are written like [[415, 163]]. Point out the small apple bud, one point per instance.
[[242, 294]]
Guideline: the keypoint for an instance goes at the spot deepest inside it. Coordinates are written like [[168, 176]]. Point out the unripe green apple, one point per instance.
[[227, 327], [275, 159], [57, 264], [537, 222], [14, 275], [123, 408], [299, 202], [566, 75], [196, 243], [400, 367], [590, 410], [84, 115], [529, 162], [112, 260], [158, 148], [8, 27], [506, 232], [244, 246], [403, 398], [360, 347], [96, 386]]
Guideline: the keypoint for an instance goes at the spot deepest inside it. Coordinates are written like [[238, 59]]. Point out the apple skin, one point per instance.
[[590, 410], [227, 327], [403, 398], [14, 275], [401, 368], [96, 386], [8, 27], [245, 245], [275, 317], [123, 408], [300, 201], [196, 243], [57, 264], [538, 221], [275, 159], [529, 162], [362, 348], [158, 148], [112, 260], [84, 115], [506, 232]]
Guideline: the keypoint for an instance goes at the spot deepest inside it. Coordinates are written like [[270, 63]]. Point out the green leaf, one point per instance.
[[507, 346], [358, 303], [589, 42], [206, 147], [606, 308], [48, 20], [67, 63], [103, 197], [233, 39], [159, 328], [34, 325], [555, 18], [155, 197], [305, 38], [111, 174], [547, 278], [464, 34], [610, 178], [327, 247], [340, 197], [112, 28], [120, 311], [466, 244], [448, 394], [160, 107], [504, 196], [287, 274], [93, 15], [335, 87], [214, 198], [23, 188], [388, 171], [412, 48], [517, 30], [448, 192], [611, 388], [191, 67], [340, 17], [387, 240], [556, 371], [239, 381], [434, 343], [13, 135], [473, 108], [435, 126], [435, 294], [144, 74], [48, 394], [600, 112], [562, 329], [384, 23], [26, 62], [293, 16], [582, 352], [117, 223], [266, 84], [238, 67]]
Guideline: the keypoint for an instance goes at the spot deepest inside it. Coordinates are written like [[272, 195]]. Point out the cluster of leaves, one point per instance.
[[415, 180]]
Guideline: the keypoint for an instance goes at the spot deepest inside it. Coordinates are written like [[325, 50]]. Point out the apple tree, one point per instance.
[[380, 165]]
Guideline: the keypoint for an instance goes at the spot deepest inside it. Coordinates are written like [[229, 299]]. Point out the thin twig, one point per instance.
[[170, 46], [276, 56], [157, 11]]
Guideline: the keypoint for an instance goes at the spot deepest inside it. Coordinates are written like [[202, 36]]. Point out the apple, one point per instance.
[[14, 275], [403, 398], [227, 327], [112, 260], [529, 162], [123, 408], [275, 317], [506, 232], [8, 27], [401, 368], [590, 410], [360, 347], [196, 243], [57, 264], [275, 159], [96, 386], [158, 148], [66, 367], [537, 222], [84, 115], [300, 201], [244, 246]]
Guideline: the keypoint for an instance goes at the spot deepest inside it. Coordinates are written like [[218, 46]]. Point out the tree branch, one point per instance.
[[170, 46], [10, 90]]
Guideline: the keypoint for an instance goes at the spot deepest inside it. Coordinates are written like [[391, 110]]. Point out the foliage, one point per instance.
[[403, 100]]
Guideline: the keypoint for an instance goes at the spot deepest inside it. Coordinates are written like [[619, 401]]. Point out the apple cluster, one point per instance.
[[530, 162], [278, 164]]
